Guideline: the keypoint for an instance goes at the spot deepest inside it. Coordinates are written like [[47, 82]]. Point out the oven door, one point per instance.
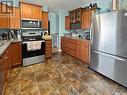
[[27, 54]]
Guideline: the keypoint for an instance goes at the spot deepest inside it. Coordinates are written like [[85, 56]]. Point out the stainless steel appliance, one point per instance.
[[32, 56], [31, 24], [109, 45]]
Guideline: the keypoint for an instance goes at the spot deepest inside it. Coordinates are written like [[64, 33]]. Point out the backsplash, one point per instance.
[[3, 30], [81, 34]]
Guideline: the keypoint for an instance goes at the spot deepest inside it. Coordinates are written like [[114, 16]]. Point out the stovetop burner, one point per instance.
[[31, 36]]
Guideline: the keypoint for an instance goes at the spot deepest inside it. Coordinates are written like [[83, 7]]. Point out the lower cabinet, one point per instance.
[[68, 46], [12, 56], [77, 48], [2, 75], [48, 48], [16, 53], [83, 50], [5, 66]]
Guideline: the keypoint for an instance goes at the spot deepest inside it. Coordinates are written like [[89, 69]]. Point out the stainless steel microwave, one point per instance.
[[30, 24]]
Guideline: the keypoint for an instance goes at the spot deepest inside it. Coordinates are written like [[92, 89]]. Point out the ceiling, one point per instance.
[[60, 4]]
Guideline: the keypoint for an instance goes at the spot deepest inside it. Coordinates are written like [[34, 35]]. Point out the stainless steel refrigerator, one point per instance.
[[109, 45]]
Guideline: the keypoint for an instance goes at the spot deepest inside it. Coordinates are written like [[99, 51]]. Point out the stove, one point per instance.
[[32, 56]]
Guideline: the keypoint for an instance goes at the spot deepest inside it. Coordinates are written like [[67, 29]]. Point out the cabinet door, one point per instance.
[[15, 19], [2, 75], [67, 23], [24, 10], [17, 53], [79, 50], [38, 13], [85, 51], [45, 20], [30, 11], [86, 19]]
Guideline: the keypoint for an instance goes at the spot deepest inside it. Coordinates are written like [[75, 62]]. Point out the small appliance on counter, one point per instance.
[[5, 36]]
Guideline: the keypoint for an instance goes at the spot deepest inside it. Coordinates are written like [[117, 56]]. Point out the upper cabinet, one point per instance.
[[4, 17], [30, 11], [79, 19], [86, 19], [45, 20], [76, 18], [9, 17], [67, 23], [15, 18]]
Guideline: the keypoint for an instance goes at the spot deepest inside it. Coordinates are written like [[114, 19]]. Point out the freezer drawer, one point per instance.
[[110, 66]]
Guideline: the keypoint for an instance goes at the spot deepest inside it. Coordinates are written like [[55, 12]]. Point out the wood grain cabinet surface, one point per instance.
[[15, 19], [67, 23], [83, 50], [68, 45], [48, 48], [5, 66], [30, 11], [77, 48], [4, 17], [45, 20], [86, 19], [16, 53]]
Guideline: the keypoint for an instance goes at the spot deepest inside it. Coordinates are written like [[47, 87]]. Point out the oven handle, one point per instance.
[[29, 41]]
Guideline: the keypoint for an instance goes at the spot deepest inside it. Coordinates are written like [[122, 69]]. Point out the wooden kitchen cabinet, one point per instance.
[[16, 53], [2, 75], [45, 20], [30, 11], [48, 48], [67, 23], [86, 19], [79, 19], [68, 45], [79, 49], [83, 50], [76, 48], [4, 18], [5, 66], [15, 19]]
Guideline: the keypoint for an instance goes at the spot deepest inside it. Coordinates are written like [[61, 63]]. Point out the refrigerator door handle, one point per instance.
[[112, 56]]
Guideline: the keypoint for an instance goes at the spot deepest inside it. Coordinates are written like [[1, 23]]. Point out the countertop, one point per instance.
[[6, 44]]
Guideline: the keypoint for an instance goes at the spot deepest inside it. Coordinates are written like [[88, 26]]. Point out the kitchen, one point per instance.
[[49, 49]]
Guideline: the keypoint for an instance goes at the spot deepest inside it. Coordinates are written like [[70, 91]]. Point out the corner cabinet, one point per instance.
[[16, 53], [5, 66], [30, 11], [15, 18], [45, 20]]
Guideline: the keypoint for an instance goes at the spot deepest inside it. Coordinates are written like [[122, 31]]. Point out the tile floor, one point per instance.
[[61, 75]]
